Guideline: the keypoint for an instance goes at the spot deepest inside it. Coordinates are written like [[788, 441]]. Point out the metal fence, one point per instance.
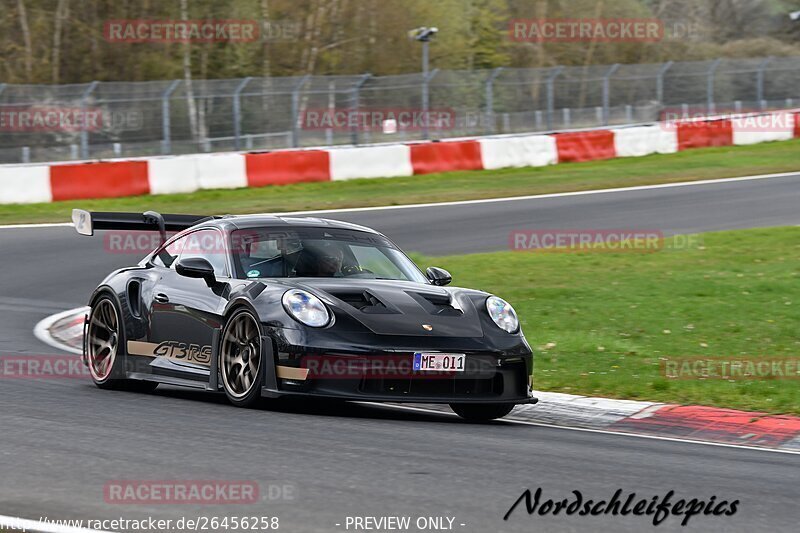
[[37, 122]]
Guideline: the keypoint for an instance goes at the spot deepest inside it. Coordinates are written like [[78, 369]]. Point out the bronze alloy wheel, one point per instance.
[[104, 339], [240, 358]]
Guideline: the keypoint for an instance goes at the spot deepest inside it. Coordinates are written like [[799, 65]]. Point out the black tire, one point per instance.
[[481, 412], [106, 348], [240, 359]]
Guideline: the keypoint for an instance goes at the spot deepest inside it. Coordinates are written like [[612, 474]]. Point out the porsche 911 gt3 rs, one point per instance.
[[261, 305]]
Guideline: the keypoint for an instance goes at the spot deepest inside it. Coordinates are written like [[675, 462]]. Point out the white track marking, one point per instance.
[[42, 330], [485, 200], [589, 430], [549, 195], [37, 526]]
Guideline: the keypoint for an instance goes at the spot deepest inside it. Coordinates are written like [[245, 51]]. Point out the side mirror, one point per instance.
[[439, 276], [196, 267]]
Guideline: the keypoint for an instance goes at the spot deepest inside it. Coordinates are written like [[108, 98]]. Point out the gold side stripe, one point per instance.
[[290, 372], [146, 349]]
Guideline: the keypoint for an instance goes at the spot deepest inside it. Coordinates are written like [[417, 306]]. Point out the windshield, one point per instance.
[[319, 253]]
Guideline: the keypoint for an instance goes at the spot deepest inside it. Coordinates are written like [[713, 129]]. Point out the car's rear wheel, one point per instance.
[[481, 412], [105, 348], [240, 359]]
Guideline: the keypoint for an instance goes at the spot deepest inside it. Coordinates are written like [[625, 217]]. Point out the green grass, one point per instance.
[[700, 164], [600, 323]]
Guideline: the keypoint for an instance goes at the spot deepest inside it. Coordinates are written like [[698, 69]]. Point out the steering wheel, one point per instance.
[[354, 270], [350, 270]]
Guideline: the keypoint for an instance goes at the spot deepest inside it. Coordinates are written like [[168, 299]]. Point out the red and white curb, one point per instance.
[[729, 427], [63, 331]]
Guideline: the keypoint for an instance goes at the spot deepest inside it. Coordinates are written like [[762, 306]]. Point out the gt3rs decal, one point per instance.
[[177, 351]]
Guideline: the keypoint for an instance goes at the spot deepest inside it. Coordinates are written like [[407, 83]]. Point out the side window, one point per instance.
[[209, 245], [167, 256]]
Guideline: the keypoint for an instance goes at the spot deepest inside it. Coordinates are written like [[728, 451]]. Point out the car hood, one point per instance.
[[400, 308]]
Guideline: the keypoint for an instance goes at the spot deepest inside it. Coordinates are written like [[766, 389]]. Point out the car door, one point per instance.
[[185, 312]]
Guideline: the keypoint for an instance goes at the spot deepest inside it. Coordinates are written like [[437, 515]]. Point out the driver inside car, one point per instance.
[[321, 261], [330, 261]]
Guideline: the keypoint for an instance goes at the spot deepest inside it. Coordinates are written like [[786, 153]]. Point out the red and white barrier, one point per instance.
[[581, 146], [446, 156], [704, 133], [645, 140], [189, 173], [25, 184], [284, 168], [754, 129], [796, 117], [517, 152], [104, 179], [168, 175], [387, 161], [221, 171]]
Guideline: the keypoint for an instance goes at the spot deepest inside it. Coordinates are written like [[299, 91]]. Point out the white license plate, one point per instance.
[[442, 362]]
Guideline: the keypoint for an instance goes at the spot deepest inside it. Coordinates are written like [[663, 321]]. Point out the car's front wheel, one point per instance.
[[240, 359], [481, 412]]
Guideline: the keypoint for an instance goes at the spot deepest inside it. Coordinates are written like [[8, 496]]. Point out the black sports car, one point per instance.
[[262, 305]]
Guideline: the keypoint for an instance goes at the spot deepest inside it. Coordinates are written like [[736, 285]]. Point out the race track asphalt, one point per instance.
[[63, 440]]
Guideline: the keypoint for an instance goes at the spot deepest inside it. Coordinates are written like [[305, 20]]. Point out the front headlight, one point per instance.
[[502, 314], [306, 308]]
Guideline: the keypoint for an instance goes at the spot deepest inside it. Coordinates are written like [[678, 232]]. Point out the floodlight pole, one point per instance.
[[424, 35]]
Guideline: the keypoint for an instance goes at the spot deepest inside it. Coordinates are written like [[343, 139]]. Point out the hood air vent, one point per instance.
[[364, 301], [436, 304]]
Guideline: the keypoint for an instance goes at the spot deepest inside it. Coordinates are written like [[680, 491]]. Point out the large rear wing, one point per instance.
[[87, 221]]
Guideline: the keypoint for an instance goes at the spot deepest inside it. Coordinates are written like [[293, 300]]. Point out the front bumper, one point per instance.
[[488, 378]]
